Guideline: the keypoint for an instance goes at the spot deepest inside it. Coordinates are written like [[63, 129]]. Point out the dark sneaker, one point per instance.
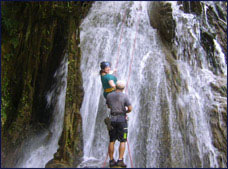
[[108, 123], [112, 163], [120, 163]]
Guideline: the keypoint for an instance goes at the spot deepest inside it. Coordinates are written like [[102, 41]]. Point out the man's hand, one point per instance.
[[129, 109]]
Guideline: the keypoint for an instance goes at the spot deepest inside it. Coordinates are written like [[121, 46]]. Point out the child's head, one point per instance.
[[105, 67]]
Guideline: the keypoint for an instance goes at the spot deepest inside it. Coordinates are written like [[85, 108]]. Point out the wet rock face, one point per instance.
[[71, 142], [160, 14], [29, 72], [43, 36], [218, 26], [208, 45], [218, 118], [56, 164], [214, 27], [194, 7]]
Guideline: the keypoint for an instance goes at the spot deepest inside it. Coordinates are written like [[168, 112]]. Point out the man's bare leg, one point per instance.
[[111, 150], [121, 150]]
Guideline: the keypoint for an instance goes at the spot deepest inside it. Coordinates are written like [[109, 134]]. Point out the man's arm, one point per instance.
[[113, 71], [128, 105]]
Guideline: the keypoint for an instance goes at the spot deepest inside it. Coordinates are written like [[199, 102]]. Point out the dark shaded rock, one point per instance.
[[28, 73], [214, 29], [194, 7], [57, 164], [208, 44], [222, 10], [36, 36], [160, 14], [71, 142], [219, 28]]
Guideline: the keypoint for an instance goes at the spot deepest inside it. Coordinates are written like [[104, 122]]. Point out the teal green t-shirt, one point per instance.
[[105, 84]]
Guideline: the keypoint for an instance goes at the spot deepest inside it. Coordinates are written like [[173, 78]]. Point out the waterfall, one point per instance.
[[158, 134], [41, 148], [198, 99]]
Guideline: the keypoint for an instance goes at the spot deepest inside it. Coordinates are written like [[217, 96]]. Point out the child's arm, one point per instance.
[[113, 71]]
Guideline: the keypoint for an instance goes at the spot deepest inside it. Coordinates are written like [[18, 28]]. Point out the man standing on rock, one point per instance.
[[117, 101]]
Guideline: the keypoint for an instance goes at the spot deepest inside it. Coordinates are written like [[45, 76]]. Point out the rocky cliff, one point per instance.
[[35, 38], [161, 18]]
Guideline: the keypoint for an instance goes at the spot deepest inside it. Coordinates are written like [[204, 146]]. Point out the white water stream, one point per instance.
[[153, 114], [159, 135], [41, 149]]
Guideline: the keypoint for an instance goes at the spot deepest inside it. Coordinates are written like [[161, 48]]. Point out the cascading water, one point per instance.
[[198, 99], [41, 149], [157, 137]]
